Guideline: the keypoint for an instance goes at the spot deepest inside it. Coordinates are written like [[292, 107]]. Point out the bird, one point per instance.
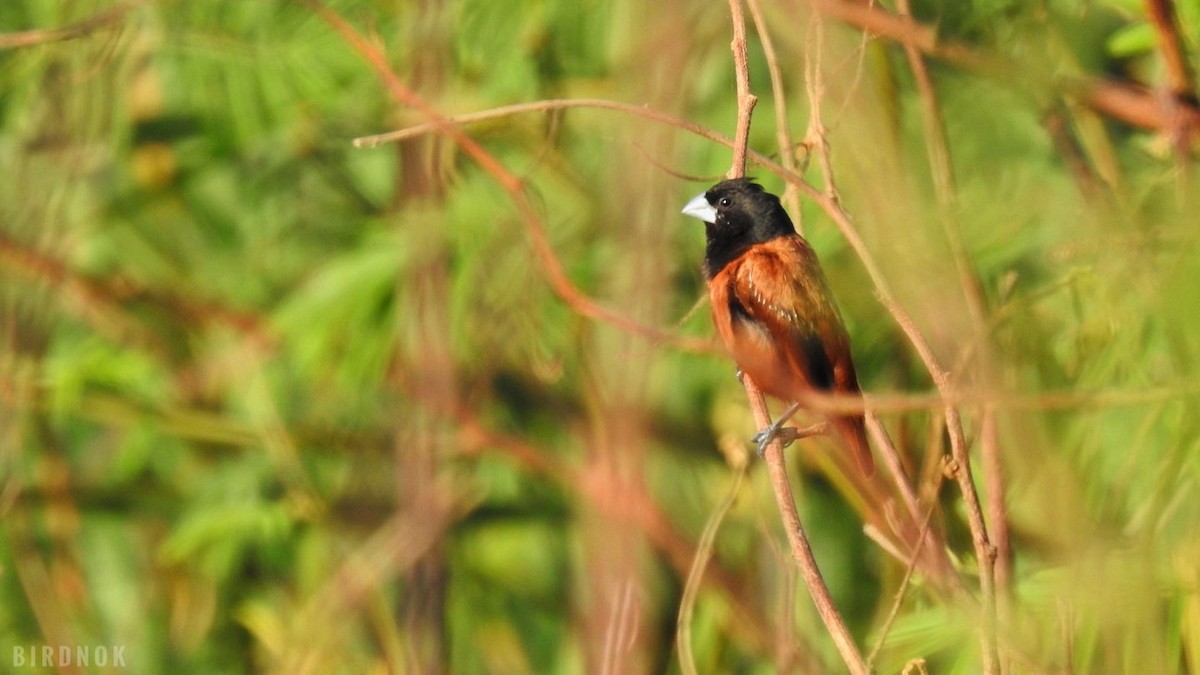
[[773, 308]]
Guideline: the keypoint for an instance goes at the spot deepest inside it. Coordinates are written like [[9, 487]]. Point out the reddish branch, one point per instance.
[[777, 467], [1179, 79], [1162, 17], [639, 509], [117, 292], [1131, 103], [76, 30], [941, 167], [552, 268]]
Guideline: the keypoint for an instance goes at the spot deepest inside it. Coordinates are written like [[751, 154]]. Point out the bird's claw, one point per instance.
[[785, 435]]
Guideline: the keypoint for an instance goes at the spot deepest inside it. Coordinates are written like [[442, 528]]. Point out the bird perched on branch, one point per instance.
[[773, 308]]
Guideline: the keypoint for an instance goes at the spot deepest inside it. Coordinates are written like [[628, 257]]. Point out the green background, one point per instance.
[[270, 402]]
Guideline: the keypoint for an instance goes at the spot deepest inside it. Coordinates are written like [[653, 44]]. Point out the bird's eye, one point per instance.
[[725, 201]]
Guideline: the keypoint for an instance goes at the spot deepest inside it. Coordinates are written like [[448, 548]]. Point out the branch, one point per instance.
[[828, 201], [946, 193], [551, 267], [1179, 76], [76, 30], [1166, 27], [545, 105], [783, 132], [797, 539], [683, 628], [117, 293], [909, 569], [1131, 103], [746, 100]]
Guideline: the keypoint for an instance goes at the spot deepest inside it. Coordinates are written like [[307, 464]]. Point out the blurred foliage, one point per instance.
[[273, 403]]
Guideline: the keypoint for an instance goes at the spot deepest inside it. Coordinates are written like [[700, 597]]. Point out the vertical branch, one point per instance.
[[683, 628], [902, 591], [946, 195], [420, 440], [993, 479], [1166, 28], [746, 100], [783, 133], [816, 136], [797, 538], [943, 174], [1179, 78], [961, 464], [829, 200]]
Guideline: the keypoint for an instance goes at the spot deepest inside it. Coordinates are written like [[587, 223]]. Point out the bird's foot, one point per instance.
[[785, 435]]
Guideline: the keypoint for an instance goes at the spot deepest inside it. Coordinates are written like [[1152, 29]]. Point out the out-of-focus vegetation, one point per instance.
[[273, 403]]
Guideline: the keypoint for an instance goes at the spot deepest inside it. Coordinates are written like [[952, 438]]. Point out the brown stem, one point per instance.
[[1131, 103], [945, 191], [551, 266], [929, 549], [1179, 78], [783, 132], [909, 569], [828, 201], [691, 589], [746, 100], [75, 30], [943, 173], [117, 293], [814, 79], [1166, 27], [993, 478], [797, 539]]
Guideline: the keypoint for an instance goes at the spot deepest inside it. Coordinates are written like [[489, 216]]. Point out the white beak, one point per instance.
[[700, 208]]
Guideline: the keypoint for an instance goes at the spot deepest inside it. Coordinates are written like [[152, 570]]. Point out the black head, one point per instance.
[[737, 214]]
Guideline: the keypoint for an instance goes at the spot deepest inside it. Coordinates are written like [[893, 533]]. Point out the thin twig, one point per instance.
[[993, 479], [1130, 103], [891, 460], [941, 168], [1170, 43], [691, 588], [116, 292], [946, 194], [941, 377], [902, 591], [551, 266], [746, 100], [783, 133], [817, 135], [543, 106], [76, 30], [798, 540], [1179, 78], [939, 567]]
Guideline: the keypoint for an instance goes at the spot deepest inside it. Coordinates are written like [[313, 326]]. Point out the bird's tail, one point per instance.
[[854, 432]]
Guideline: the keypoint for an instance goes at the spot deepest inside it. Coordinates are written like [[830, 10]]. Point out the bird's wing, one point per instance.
[[781, 287], [782, 325]]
